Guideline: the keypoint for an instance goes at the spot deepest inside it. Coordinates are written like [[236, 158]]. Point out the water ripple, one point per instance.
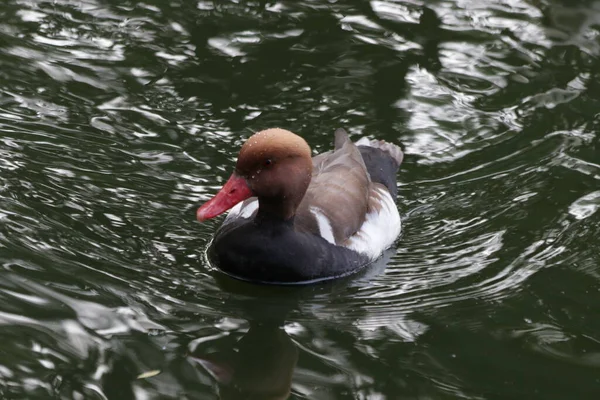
[[117, 119]]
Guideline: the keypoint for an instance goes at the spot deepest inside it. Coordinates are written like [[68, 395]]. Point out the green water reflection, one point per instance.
[[117, 118]]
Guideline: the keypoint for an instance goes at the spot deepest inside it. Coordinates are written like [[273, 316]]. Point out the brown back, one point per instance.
[[339, 189]]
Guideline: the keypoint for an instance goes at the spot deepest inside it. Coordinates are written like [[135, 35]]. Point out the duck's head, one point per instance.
[[274, 165]]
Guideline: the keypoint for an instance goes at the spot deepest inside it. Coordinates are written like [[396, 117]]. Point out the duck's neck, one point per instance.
[[285, 191], [280, 210]]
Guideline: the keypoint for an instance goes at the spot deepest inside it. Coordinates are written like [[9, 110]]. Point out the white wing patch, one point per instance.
[[380, 229], [245, 209], [324, 224]]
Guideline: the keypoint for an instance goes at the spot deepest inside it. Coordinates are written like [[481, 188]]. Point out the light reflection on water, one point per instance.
[[117, 119]]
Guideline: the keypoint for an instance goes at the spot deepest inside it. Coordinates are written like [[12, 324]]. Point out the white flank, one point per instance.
[[324, 225], [242, 210], [380, 229]]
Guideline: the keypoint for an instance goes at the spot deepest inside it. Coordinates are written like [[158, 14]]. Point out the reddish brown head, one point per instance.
[[275, 165]]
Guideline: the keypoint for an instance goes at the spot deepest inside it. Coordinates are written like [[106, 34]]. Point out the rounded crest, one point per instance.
[[269, 146]]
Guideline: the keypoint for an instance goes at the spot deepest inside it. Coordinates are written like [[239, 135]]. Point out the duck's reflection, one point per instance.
[[260, 366]]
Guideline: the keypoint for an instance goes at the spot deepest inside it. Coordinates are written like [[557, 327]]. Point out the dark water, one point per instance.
[[117, 118]]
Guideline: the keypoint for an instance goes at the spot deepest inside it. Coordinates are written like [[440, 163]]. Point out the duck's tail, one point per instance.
[[382, 159], [391, 149]]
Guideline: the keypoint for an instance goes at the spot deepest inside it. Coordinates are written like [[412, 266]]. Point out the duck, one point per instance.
[[298, 219]]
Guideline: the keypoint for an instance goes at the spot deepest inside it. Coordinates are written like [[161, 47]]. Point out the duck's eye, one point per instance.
[[267, 162]]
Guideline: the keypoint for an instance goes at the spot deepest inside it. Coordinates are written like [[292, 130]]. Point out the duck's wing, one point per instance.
[[337, 200]]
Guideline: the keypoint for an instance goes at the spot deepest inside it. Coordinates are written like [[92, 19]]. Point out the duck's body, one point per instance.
[[304, 221]]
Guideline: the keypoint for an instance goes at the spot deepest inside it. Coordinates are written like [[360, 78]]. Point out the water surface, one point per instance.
[[118, 118]]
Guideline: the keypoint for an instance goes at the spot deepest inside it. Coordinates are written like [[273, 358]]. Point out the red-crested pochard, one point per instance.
[[301, 219]]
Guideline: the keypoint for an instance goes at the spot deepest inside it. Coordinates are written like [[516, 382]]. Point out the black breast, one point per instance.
[[273, 252]]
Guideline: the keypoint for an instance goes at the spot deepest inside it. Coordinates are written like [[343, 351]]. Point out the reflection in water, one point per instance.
[[259, 367], [261, 364]]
